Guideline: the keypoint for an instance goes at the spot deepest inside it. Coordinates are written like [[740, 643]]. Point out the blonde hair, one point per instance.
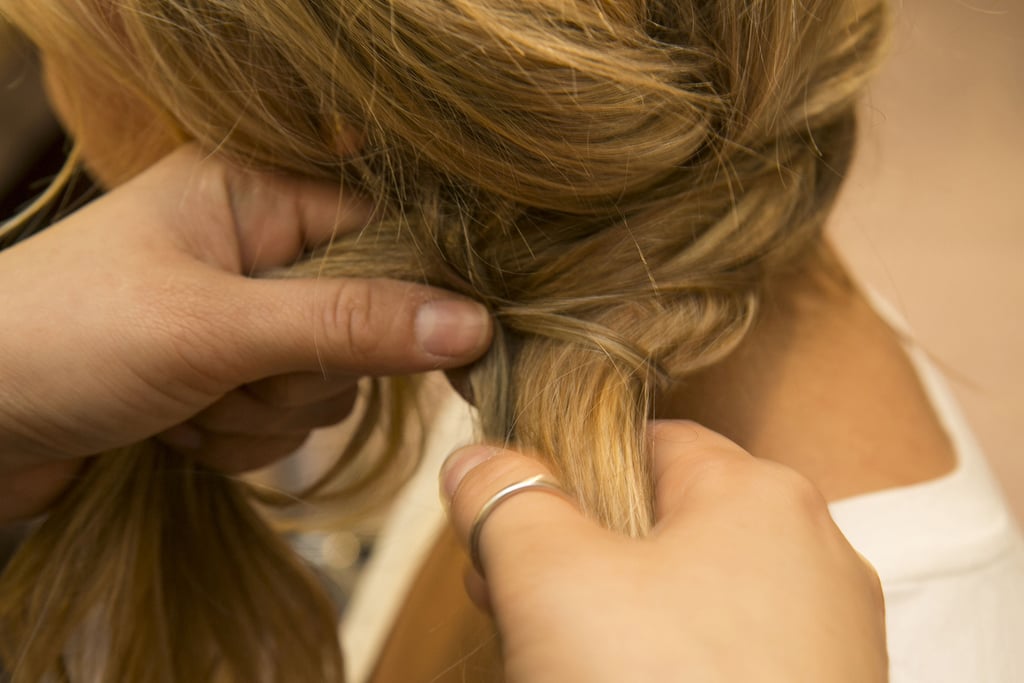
[[614, 179]]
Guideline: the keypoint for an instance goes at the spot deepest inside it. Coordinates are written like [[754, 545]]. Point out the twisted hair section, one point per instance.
[[614, 179]]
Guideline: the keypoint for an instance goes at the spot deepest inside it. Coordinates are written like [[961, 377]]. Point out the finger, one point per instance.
[[248, 221], [699, 473], [233, 454], [685, 456], [300, 388], [476, 589], [458, 378], [277, 217], [353, 326], [532, 528], [241, 413], [33, 490]]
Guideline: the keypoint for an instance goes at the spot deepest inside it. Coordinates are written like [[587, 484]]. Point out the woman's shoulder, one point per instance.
[[948, 551], [951, 524]]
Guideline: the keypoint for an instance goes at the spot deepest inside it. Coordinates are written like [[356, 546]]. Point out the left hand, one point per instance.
[[136, 314]]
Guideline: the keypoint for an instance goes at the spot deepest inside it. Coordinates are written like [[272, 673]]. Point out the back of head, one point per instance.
[[614, 179]]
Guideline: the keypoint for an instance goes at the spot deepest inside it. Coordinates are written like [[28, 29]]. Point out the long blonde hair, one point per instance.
[[614, 179]]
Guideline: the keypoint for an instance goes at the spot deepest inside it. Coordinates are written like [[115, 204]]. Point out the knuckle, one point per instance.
[[304, 391], [872, 581], [778, 490], [329, 413], [875, 586], [280, 392], [213, 192], [716, 475], [351, 322], [236, 454], [793, 492], [803, 493], [493, 474], [496, 471]]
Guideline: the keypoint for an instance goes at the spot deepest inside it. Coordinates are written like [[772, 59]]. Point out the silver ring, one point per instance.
[[540, 482]]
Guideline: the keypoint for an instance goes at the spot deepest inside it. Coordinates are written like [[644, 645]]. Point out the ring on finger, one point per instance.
[[539, 482]]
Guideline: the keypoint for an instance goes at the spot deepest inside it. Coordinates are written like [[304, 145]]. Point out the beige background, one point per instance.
[[933, 215]]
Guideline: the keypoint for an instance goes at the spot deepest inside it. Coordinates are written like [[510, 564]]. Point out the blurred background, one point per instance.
[[932, 217]]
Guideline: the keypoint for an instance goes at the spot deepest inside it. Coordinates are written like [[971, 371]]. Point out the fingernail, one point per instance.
[[185, 437], [452, 328], [459, 464]]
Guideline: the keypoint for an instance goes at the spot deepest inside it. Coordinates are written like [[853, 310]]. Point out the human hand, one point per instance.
[[133, 315], [744, 578]]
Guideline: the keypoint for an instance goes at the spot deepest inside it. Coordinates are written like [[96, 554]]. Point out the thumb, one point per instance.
[[353, 326], [531, 528]]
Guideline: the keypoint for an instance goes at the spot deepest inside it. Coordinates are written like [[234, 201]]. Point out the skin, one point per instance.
[[721, 561], [177, 335], [224, 379], [815, 342]]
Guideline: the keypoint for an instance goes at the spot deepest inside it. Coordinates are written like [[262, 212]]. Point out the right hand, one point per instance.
[[744, 578], [134, 315]]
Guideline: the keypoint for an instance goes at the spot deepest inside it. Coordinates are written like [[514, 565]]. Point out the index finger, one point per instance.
[[247, 221], [535, 525], [277, 217]]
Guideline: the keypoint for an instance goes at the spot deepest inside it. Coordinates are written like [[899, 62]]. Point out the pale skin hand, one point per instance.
[[745, 578], [132, 316]]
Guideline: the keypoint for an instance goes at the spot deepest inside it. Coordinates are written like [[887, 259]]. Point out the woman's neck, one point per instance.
[[822, 385]]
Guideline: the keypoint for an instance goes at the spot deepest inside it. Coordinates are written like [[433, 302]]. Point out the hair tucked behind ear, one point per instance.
[[614, 179]]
